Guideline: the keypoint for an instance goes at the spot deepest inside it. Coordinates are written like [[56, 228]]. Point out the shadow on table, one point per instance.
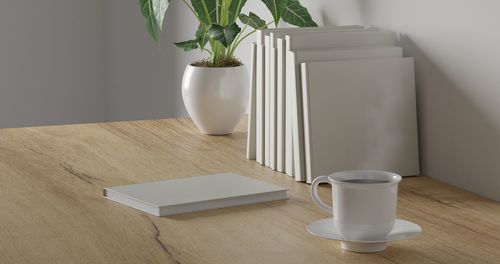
[[235, 210]]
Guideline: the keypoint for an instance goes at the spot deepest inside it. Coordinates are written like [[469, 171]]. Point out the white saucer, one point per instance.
[[402, 230]]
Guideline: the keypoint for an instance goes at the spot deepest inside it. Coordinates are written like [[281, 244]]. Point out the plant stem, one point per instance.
[[217, 11], [239, 35], [238, 42]]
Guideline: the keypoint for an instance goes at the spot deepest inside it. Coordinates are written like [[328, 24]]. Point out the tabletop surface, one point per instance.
[[52, 209]]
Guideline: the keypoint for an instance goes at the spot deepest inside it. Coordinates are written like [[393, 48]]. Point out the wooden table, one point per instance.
[[52, 209]]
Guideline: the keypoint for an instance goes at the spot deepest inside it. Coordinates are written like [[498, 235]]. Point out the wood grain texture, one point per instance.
[[52, 210]]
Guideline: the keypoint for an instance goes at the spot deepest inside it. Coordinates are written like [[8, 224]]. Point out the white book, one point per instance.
[[309, 55], [267, 102], [265, 88], [259, 104], [360, 114], [272, 108], [278, 91], [288, 154], [185, 195], [251, 129], [312, 40], [280, 106]]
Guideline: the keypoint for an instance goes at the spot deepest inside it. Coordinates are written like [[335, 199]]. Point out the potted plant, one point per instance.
[[215, 90]]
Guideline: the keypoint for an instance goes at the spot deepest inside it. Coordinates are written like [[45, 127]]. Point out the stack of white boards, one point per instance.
[[329, 99], [192, 194]]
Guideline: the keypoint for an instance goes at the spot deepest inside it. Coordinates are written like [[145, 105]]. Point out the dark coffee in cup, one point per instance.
[[365, 181]]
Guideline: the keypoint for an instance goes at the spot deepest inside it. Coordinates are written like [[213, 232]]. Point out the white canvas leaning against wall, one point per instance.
[[309, 55], [311, 40], [285, 109], [251, 128], [259, 100], [278, 92], [267, 102], [262, 96], [266, 88], [360, 114]]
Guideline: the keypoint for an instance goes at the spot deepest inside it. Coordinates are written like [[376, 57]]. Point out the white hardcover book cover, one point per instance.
[[267, 96], [251, 129], [280, 106], [263, 67], [289, 151], [272, 108], [185, 195], [309, 55], [277, 76], [360, 114], [259, 104], [312, 40]]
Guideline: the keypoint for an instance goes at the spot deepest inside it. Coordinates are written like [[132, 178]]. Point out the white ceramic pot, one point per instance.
[[215, 98]]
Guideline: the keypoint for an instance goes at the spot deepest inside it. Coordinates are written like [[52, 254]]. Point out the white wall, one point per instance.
[[139, 73], [51, 62], [456, 46], [74, 61]]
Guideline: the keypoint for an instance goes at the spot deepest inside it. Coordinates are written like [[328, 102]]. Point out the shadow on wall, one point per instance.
[[453, 129], [339, 12]]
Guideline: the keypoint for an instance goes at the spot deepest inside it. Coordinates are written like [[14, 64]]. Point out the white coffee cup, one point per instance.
[[364, 203]]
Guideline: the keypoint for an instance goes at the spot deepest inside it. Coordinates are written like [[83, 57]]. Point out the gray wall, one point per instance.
[[456, 46], [51, 62], [139, 73], [74, 61]]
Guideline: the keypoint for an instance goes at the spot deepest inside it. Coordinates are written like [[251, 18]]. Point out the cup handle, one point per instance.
[[314, 194]]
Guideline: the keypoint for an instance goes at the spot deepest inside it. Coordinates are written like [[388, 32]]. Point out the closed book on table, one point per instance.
[[171, 197]]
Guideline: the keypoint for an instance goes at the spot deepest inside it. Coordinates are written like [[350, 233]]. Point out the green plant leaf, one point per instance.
[[206, 10], [235, 10], [188, 45], [224, 35], [276, 8], [152, 26], [160, 8], [202, 35], [154, 14], [296, 14], [253, 20]]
